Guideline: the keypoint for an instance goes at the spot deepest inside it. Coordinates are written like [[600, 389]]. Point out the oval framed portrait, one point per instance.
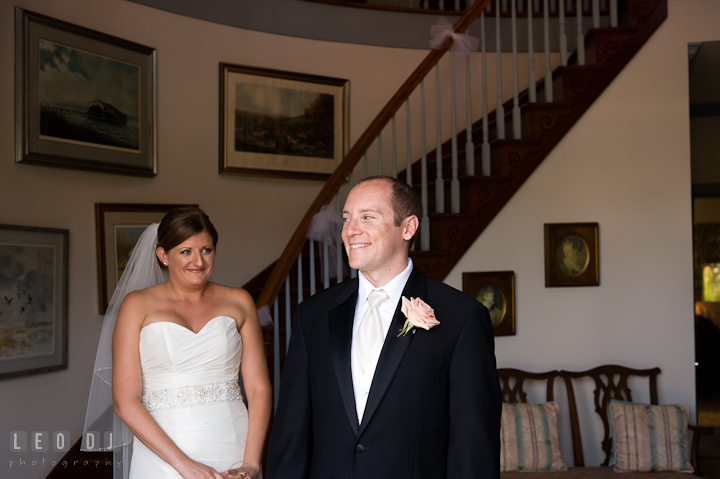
[[496, 291], [573, 255], [493, 298]]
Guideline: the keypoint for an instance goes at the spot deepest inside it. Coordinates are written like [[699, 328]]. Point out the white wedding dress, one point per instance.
[[190, 387]]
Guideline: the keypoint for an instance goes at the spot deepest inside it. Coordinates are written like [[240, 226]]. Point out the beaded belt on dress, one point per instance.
[[173, 398]]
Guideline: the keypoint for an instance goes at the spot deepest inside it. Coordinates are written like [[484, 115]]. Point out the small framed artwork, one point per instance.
[[118, 227], [571, 254], [496, 291], [282, 124], [83, 99], [33, 300]]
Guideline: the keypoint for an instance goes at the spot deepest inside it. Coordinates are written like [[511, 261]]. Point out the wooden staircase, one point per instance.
[[544, 124]]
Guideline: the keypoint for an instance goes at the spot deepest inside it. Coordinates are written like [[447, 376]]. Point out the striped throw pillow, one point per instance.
[[529, 438], [649, 438]]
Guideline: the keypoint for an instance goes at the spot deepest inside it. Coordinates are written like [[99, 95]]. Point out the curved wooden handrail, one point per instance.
[[332, 186]]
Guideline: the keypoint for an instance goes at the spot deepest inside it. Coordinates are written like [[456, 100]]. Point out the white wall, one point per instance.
[[626, 165], [255, 217]]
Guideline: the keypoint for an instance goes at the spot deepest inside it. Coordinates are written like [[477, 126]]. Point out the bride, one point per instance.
[[177, 349]]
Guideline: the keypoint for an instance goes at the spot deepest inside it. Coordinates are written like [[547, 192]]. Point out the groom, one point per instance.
[[359, 401]]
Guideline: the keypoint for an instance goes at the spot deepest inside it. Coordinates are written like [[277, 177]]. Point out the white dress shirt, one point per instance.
[[362, 380]]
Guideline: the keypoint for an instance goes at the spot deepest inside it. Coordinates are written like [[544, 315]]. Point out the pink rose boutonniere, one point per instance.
[[419, 315]]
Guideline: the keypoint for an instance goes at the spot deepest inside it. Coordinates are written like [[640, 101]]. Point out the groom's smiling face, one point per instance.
[[374, 244]]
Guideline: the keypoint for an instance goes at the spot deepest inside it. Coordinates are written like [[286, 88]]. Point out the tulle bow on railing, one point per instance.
[[326, 226], [442, 30]]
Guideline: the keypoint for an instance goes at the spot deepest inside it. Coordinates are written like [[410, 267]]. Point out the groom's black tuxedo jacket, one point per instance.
[[433, 410]]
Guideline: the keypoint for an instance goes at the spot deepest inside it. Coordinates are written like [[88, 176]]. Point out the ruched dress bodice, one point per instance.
[[190, 387]]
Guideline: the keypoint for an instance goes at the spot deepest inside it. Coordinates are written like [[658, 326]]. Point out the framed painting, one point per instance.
[[571, 254], [83, 99], [33, 300], [496, 291], [282, 124], [118, 227]]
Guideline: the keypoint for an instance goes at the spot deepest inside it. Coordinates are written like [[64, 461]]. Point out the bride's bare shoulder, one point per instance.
[[137, 304], [237, 299]]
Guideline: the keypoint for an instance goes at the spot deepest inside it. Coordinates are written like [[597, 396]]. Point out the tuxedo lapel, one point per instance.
[[393, 349], [340, 327]]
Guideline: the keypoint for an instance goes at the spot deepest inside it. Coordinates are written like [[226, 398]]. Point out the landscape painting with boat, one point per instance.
[[88, 98]]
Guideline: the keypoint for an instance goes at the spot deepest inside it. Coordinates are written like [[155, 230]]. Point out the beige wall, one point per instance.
[[626, 165]]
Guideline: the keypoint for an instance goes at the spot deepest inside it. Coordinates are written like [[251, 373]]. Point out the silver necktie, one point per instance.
[[370, 335]]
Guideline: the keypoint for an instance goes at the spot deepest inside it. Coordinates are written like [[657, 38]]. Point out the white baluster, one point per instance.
[[596, 13], [287, 312], [338, 250], [486, 141], [326, 264], [353, 271], [300, 278], [563, 36], [516, 87], [276, 354], [613, 13], [312, 267], [469, 145], [380, 165], [425, 223], [546, 41], [408, 147], [439, 185], [580, 38], [532, 92], [454, 182], [394, 149], [500, 109], [408, 167]]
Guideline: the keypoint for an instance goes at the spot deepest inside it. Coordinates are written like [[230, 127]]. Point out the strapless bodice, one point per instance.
[[173, 356]]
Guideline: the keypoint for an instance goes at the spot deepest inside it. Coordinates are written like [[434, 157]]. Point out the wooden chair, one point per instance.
[[512, 383], [611, 382]]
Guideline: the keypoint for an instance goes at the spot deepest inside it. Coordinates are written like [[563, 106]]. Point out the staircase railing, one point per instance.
[[469, 138], [454, 7]]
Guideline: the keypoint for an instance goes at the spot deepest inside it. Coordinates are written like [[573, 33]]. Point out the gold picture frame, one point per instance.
[[281, 124], [571, 254], [496, 291]]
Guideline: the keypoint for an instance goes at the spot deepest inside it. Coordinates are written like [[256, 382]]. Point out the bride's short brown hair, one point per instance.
[[181, 223]]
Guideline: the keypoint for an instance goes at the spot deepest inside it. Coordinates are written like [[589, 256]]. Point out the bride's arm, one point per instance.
[[127, 392], [256, 383]]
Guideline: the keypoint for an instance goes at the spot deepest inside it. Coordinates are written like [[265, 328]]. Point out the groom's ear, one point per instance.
[[410, 226]]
